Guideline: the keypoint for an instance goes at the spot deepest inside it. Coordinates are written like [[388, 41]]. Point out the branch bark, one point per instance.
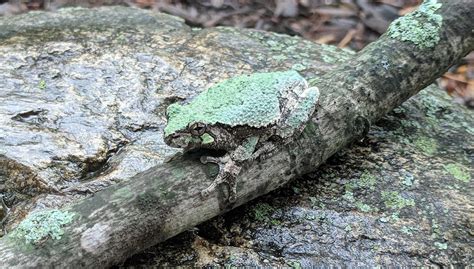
[[165, 200]]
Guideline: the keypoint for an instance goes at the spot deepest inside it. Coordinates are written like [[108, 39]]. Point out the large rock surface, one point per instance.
[[82, 101]]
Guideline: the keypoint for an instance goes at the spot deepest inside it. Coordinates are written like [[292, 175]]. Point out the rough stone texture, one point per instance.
[[386, 200]]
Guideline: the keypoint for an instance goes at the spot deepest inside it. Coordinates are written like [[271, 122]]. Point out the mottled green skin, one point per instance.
[[420, 27], [40, 226], [248, 100]]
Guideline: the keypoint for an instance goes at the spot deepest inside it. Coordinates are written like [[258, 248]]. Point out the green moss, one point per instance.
[[394, 200], [458, 171], [39, 226], [420, 27], [427, 145]]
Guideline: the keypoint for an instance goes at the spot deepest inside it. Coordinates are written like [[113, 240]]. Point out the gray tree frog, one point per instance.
[[247, 116]]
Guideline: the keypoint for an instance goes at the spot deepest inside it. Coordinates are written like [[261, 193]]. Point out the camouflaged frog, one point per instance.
[[247, 116]]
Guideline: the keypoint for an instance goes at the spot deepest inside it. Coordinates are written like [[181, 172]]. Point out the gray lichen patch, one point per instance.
[[420, 27], [42, 225]]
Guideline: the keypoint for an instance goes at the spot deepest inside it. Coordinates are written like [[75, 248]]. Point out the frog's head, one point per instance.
[[184, 130]]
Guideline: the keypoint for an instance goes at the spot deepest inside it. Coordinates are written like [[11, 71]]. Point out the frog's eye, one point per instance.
[[197, 128]]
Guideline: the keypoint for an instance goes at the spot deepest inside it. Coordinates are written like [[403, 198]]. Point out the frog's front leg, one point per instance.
[[230, 166], [228, 172]]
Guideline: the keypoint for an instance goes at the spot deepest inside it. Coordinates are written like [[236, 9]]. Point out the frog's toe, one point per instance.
[[217, 160], [205, 193], [218, 180], [232, 194], [228, 171]]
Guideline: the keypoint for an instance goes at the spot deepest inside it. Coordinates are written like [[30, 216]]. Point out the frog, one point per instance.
[[245, 116]]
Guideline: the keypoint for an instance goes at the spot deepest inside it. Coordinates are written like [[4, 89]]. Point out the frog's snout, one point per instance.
[[171, 139]]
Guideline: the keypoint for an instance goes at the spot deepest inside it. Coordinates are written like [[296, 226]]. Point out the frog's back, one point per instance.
[[251, 100]]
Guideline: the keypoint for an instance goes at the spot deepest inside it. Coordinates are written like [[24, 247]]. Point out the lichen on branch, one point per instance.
[[420, 27], [40, 226]]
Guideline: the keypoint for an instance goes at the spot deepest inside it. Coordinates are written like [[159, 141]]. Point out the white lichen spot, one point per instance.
[[95, 238]]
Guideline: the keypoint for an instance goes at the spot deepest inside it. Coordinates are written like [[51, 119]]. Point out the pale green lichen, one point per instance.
[[363, 207], [420, 27], [441, 246], [280, 58], [458, 171], [42, 85], [367, 180], [394, 200], [349, 196], [298, 67], [408, 230], [250, 100], [39, 226], [408, 180], [427, 145]]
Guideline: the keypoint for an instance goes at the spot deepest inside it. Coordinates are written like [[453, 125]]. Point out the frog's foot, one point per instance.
[[228, 171], [5, 212]]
